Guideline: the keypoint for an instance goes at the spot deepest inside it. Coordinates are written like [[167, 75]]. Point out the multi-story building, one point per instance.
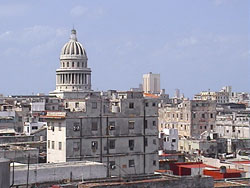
[[120, 131], [233, 125], [221, 97], [151, 83], [191, 117]]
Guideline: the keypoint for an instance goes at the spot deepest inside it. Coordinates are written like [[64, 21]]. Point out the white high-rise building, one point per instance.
[[151, 83]]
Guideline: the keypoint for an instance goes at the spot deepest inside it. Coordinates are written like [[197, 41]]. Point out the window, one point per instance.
[[67, 64], [94, 145], [60, 145], [78, 64], [200, 127], [153, 104], [20, 118], [205, 127], [154, 141], [76, 126], [131, 163], [131, 124], [146, 141], [203, 115], [34, 127], [146, 124], [211, 115], [194, 115], [59, 126], [48, 144], [94, 126], [173, 140], [211, 127], [77, 105], [131, 144], [154, 162], [233, 129], [146, 104], [154, 123], [52, 126], [53, 144], [238, 131], [111, 144], [181, 116], [131, 105], [63, 64], [73, 64], [76, 146], [112, 125], [112, 165], [94, 105]]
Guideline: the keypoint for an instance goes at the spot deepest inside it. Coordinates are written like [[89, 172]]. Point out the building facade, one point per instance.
[[151, 83], [192, 118], [120, 131]]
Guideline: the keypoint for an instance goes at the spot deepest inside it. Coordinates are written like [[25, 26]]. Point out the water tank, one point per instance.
[[115, 109], [4, 173]]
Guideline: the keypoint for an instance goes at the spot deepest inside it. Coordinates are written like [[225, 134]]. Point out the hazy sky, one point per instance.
[[195, 45]]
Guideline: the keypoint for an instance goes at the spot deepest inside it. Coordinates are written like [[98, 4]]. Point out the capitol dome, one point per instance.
[[73, 47], [74, 75]]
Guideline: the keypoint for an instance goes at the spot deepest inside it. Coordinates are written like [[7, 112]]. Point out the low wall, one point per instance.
[[56, 172]]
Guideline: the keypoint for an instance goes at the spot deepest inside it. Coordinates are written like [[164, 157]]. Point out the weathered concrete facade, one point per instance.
[[120, 131], [190, 117]]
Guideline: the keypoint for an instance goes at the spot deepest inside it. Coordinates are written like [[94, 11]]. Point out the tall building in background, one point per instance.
[[151, 83]]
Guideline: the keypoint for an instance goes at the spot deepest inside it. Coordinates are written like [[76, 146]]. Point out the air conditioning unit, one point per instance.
[[112, 167], [76, 128], [111, 127]]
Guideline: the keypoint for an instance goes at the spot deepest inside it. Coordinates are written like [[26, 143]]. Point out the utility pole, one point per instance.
[[27, 183]]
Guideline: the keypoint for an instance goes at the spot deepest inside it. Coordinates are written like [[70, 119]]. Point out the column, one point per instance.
[[89, 81]]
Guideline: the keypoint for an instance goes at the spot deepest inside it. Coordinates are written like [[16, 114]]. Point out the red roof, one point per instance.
[[150, 95], [241, 162]]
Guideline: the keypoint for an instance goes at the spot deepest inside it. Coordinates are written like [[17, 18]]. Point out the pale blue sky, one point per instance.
[[195, 45]]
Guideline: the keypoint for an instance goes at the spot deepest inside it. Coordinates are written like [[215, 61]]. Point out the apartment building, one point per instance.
[[192, 118], [119, 130]]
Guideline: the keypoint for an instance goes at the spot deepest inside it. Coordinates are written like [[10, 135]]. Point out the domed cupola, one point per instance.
[[73, 48], [73, 74]]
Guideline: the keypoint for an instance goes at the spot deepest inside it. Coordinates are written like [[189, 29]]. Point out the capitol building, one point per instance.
[[73, 78]]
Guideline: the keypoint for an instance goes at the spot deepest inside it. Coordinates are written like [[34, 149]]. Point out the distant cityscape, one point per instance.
[[77, 137]]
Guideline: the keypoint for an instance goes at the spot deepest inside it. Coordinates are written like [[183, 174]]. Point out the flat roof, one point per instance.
[[57, 165]]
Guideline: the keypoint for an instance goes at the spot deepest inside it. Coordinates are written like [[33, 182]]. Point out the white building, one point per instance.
[[151, 83], [169, 139], [31, 127]]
